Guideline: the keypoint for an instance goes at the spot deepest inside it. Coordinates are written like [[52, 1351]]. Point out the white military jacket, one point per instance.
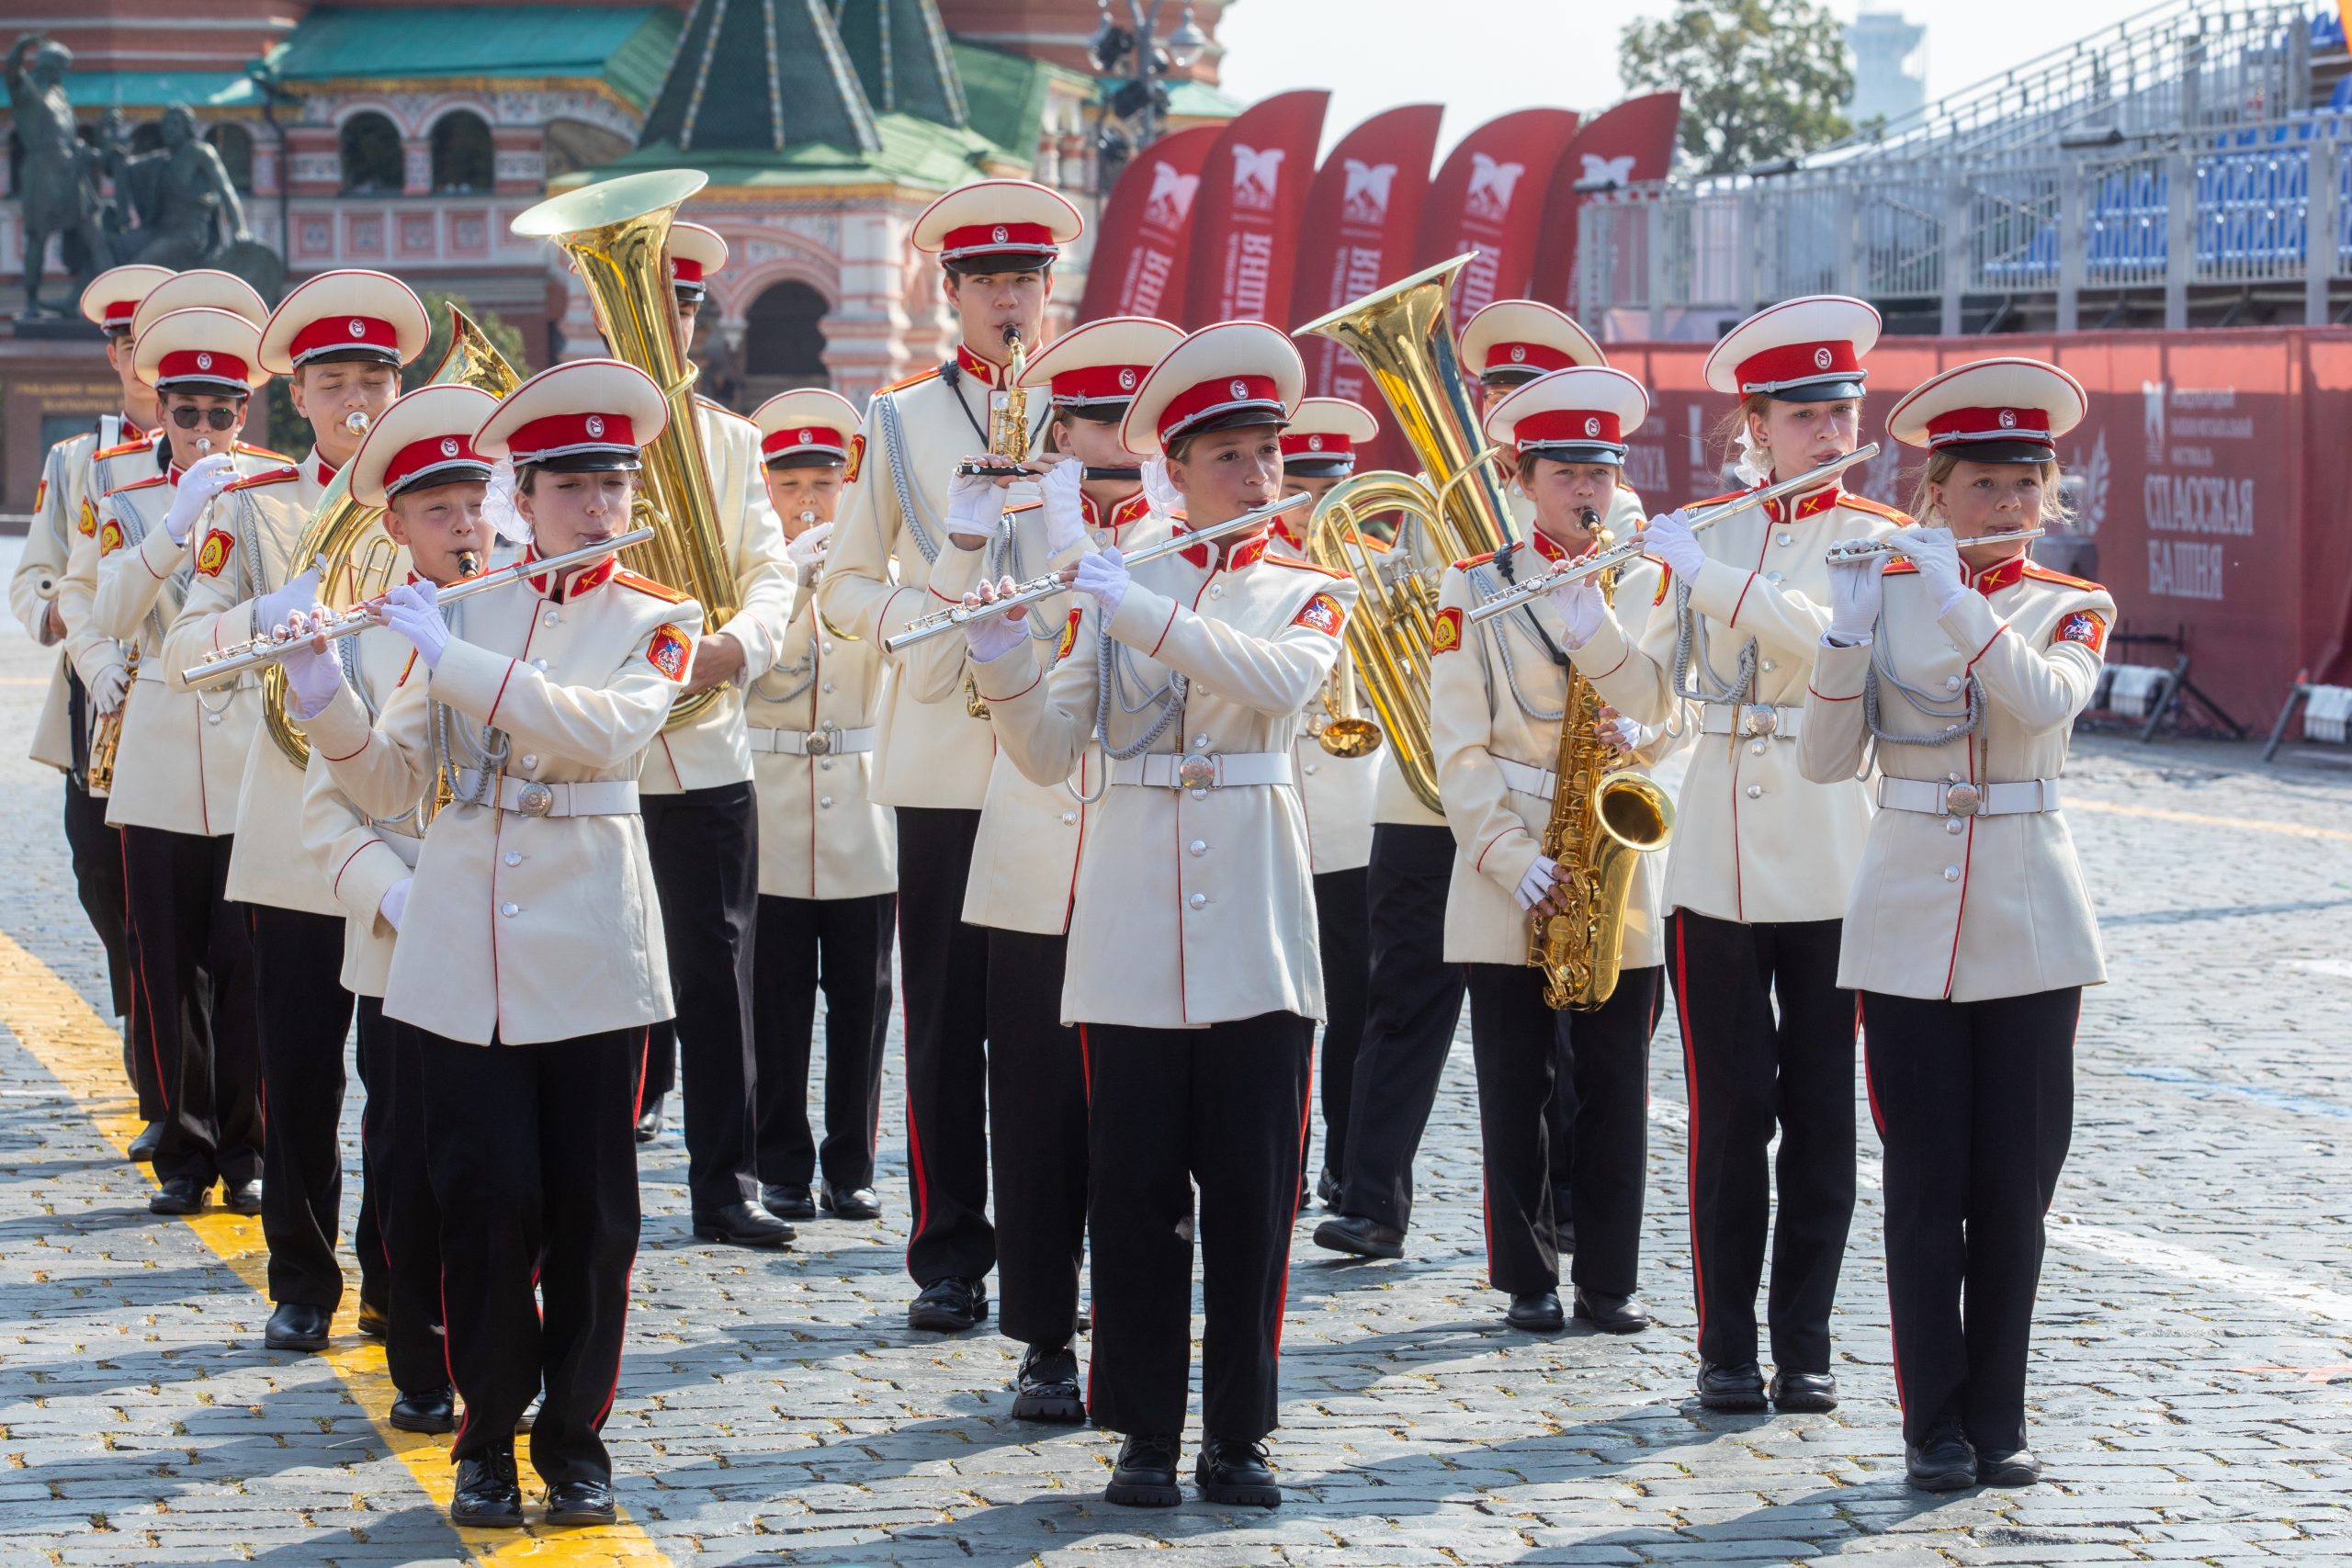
[[60, 497], [528, 928], [1024, 858], [1497, 820], [105, 468], [261, 522], [1195, 906], [928, 753], [182, 761], [1336, 792], [712, 750], [1959, 905], [359, 857], [1754, 839], [820, 834]]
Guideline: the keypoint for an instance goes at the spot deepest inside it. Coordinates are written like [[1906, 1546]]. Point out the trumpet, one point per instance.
[[281, 642], [1613, 558], [1036, 589], [1846, 551]]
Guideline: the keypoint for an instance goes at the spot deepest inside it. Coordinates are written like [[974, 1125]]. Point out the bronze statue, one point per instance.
[[59, 172]]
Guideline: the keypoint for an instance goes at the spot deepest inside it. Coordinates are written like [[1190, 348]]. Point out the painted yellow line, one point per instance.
[[2251, 824], [84, 1053]]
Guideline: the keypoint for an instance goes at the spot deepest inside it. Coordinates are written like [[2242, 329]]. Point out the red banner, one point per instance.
[[1489, 199], [1140, 246], [1252, 194], [1632, 141]]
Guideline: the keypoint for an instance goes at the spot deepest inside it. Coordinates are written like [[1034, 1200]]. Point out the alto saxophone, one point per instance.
[[1008, 443], [1602, 816]]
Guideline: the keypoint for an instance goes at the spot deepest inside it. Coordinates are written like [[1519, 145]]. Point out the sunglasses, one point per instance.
[[219, 419]]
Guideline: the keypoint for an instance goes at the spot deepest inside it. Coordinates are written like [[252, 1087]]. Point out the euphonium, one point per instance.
[[617, 235], [356, 558]]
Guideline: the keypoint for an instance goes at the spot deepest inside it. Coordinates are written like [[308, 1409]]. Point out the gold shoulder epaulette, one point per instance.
[[1476, 561], [915, 379], [247, 449], [1301, 564], [1900, 519], [144, 444], [267, 477], [2036, 570], [662, 591], [139, 484]]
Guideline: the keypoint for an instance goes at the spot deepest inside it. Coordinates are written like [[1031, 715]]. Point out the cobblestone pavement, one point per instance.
[[2193, 1385]]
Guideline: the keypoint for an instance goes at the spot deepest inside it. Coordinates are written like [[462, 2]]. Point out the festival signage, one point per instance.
[[1246, 216]]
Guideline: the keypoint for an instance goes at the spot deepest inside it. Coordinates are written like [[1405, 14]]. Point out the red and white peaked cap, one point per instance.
[[425, 438], [199, 350], [1800, 350], [203, 288], [697, 253], [112, 299], [1018, 223], [1517, 340], [1582, 414], [1101, 364], [1234, 373], [1323, 436], [587, 413], [809, 424], [2010, 410], [349, 314]]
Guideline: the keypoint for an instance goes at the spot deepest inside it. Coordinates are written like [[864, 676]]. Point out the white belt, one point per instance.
[[593, 798], [1202, 771], [811, 742], [1754, 720], [1935, 797], [1521, 779]]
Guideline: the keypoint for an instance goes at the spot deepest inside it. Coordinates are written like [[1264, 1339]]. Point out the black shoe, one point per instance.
[[180, 1195], [1739, 1385], [297, 1326], [787, 1203], [1612, 1314], [1326, 1189], [1944, 1463], [851, 1204], [374, 1321], [433, 1412], [1047, 1389], [743, 1224], [487, 1493], [649, 1119], [582, 1502], [1796, 1392], [1537, 1312], [1366, 1238], [241, 1197], [2016, 1468], [949, 1306], [144, 1148], [1231, 1472], [1145, 1476]]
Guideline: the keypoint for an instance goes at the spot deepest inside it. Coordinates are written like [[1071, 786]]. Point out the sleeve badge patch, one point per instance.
[[110, 537], [1069, 637], [669, 652], [1446, 636], [1665, 581], [1322, 613], [40, 494], [2086, 626], [856, 460], [88, 522], [213, 554]]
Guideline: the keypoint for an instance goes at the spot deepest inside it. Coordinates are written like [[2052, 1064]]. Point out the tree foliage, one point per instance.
[[1760, 79]]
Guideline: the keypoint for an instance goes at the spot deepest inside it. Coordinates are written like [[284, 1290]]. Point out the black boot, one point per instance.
[[1233, 1471], [1145, 1476], [432, 1411], [297, 1326], [949, 1306], [1736, 1385], [1047, 1387], [488, 1494], [1793, 1392], [1366, 1238], [1612, 1314], [1944, 1462]]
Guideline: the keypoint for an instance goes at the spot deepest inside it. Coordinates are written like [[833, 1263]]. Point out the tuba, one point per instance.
[[1404, 339], [356, 560], [616, 236]]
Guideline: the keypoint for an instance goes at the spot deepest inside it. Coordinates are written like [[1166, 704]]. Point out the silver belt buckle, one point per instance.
[[818, 742], [1963, 800], [1196, 772], [535, 800], [1757, 719]]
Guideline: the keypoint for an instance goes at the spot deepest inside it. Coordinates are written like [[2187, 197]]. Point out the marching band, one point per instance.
[[1092, 677]]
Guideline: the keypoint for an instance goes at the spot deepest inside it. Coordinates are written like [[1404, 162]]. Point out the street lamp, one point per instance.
[[1131, 63]]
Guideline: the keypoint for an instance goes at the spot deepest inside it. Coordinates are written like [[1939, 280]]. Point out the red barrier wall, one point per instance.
[[2214, 478]]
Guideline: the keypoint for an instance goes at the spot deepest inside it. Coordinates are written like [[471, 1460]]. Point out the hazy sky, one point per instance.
[[1482, 57]]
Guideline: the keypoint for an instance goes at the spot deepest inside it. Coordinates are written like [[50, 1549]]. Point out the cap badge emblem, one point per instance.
[[204, 362], [807, 437], [358, 327], [1821, 358], [2008, 419], [448, 447], [1518, 354], [998, 234], [1593, 427], [1238, 387], [1315, 443], [596, 425], [1126, 379]]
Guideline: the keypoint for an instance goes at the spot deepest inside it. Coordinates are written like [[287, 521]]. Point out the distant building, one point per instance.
[[1889, 65]]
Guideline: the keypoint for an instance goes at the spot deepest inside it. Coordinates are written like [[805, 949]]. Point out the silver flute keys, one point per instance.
[[1848, 550]]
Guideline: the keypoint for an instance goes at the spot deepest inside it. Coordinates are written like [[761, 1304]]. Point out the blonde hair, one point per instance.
[[1735, 425], [2055, 511]]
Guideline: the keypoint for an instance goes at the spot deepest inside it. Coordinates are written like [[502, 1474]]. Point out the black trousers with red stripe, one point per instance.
[[1037, 1138], [840, 946], [192, 956], [1750, 1068], [1223, 1110], [533, 1156], [1974, 1102], [1519, 1045], [302, 1015], [944, 966], [406, 1236], [1343, 929]]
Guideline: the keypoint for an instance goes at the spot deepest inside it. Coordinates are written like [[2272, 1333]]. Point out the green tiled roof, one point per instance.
[[914, 153], [92, 90], [1198, 100], [628, 49], [1004, 94]]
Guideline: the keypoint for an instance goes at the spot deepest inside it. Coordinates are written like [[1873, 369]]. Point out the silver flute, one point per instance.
[[955, 616], [1879, 550], [281, 643], [1633, 546]]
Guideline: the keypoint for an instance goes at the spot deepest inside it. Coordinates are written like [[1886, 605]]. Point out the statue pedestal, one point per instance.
[[54, 329]]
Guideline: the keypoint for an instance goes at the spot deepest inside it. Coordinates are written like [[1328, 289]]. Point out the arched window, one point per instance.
[[784, 337], [463, 163], [370, 146], [570, 145], [235, 145]]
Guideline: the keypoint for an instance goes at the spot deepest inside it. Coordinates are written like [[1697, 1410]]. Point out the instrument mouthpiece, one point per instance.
[[1588, 516], [468, 564], [356, 421]]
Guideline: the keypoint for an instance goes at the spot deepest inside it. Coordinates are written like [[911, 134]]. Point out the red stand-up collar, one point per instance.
[[2003, 574], [322, 471], [1129, 508], [132, 431], [988, 373], [1231, 553], [582, 581], [1820, 500], [1544, 545]]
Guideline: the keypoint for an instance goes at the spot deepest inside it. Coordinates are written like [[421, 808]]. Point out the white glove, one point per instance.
[[395, 902], [1670, 541], [975, 508], [1857, 589], [1064, 517], [1938, 558], [807, 554], [271, 609], [1536, 885], [1102, 577], [1625, 734], [313, 677], [209, 477], [991, 637], [412, 610], [108, 687], [1580, 608]]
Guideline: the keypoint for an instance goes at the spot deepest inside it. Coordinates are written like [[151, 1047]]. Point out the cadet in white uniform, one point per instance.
[[1960, 667], [996, 240], [829, 858], [419, 464], [1763, 857], [1192, 969]]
